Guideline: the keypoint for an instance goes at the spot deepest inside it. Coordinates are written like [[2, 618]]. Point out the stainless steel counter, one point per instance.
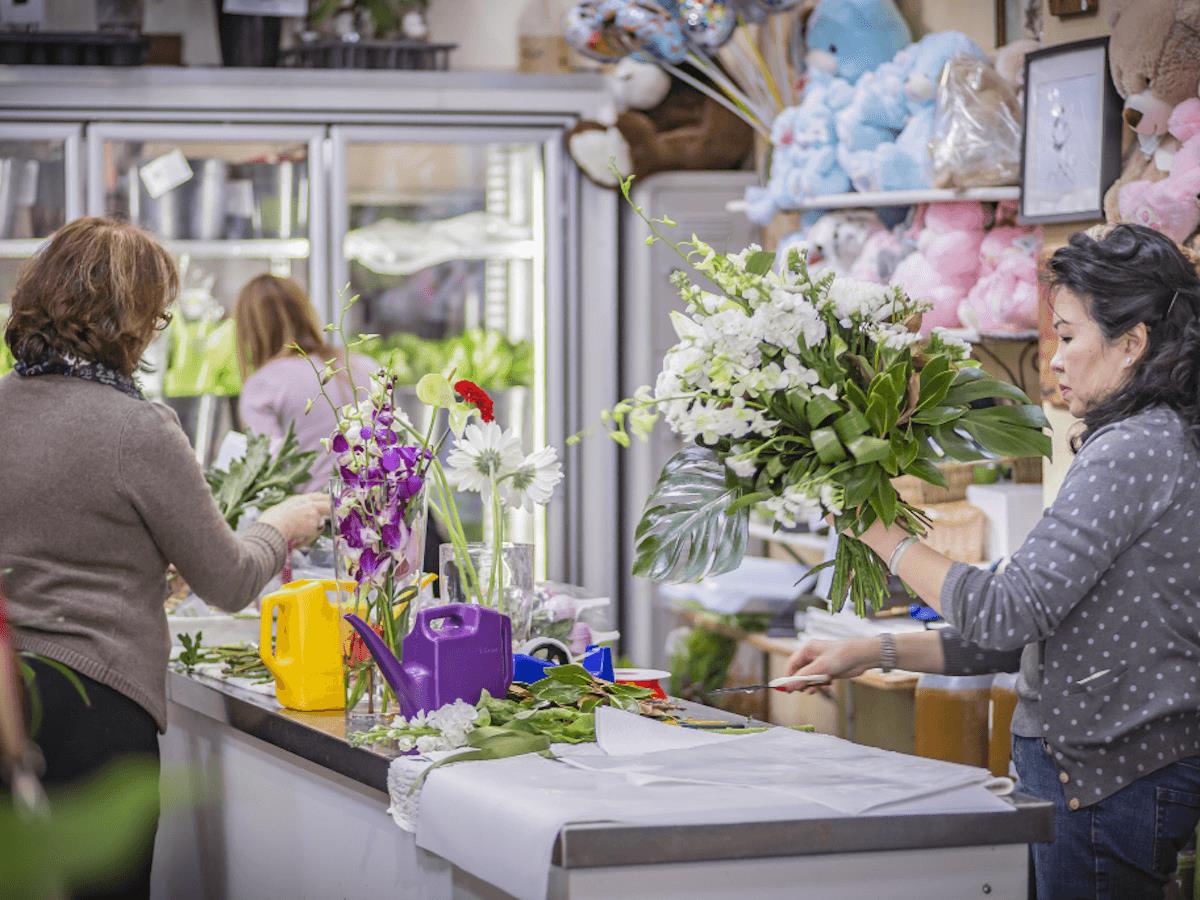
[[319, 738]]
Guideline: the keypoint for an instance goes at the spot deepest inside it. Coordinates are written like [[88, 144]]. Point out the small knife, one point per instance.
[[775, 684]]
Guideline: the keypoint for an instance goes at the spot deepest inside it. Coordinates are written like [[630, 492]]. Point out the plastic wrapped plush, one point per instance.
[[977, 127]]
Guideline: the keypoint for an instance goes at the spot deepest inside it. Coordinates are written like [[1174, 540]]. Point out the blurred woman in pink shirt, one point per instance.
[[272, 314]]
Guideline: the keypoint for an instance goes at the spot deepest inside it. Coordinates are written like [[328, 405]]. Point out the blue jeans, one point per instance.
[[1123, 847]]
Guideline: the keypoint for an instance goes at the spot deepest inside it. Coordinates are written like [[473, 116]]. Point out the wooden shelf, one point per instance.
[[856, 199]]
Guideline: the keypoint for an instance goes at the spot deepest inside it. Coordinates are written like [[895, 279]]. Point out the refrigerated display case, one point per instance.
[[445, 200], [41, 188]]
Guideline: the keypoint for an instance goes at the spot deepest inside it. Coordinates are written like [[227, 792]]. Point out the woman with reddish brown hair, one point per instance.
[[274, 315], [100, 493]]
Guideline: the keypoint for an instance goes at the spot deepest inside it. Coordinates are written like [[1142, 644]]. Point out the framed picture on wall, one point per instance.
[[1071, 146]]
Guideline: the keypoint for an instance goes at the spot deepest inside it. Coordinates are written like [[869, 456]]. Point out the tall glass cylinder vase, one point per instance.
[[478, 576], [379, 545]]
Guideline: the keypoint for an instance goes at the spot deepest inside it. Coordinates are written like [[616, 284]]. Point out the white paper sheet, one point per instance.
[[499, 820]]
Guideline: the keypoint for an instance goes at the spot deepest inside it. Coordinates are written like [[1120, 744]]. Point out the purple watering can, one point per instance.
[[454, 652]]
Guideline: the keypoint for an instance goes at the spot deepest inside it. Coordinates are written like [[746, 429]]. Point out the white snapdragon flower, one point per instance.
[[853, 299], [832, 498], [958, 348], [743, 465]]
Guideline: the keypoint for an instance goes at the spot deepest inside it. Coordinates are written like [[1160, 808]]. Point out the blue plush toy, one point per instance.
[[867, 113], [883, 133]]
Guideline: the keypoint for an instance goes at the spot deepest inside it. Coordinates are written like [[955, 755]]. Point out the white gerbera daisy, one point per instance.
[[534, 480], [484, 452]]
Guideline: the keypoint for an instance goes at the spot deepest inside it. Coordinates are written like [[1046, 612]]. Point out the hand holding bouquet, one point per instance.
[[804, 394]]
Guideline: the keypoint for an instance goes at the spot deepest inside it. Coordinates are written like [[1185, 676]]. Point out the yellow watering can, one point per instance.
[[307, 659]]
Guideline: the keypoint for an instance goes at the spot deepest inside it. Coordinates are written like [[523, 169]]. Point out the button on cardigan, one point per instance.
[[1107, 585]]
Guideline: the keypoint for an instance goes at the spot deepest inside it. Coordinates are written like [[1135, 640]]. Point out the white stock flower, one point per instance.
[[485, 451], [853, 299], [952, 342], [831, 392], [534, 480]]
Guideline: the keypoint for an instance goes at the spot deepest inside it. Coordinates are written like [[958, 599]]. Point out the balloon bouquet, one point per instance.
[[703, 34]]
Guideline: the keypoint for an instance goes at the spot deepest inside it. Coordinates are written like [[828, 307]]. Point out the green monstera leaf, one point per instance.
[[688, 529]]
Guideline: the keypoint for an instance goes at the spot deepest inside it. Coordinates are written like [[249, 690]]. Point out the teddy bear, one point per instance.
[[1171, 205], [883, 135], [846, 39], [1154, 59], [881, 254], [945, 265], [1004, 298], [835, 241], [663, 125]]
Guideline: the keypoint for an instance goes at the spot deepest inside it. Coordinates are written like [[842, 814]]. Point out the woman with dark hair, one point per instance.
[[272, 315], [1100, 607], [100, 492]]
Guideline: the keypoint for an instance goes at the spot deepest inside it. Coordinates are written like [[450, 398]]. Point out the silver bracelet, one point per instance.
[[887, 652], [898, 553]]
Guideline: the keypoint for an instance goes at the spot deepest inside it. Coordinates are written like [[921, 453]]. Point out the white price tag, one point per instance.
[[266, 7], [239, 198], [166, 173]]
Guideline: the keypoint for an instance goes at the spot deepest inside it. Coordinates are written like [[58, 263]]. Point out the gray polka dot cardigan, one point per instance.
[[1106, 591]]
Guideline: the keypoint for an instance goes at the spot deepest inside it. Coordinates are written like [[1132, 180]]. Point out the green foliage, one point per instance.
[[90, 833], [686, 530], [487, 358], [820, 419], [193, 653], [259, 480], [31, 687], [700, 663]]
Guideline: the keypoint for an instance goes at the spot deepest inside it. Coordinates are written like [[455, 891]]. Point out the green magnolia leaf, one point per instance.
[[859, 486], [926, 471], [685, 532], [760, 263], [829, 448], [868, 449], [1027, 415], [973, 384], [1007, 431], [884, 501], [937, 415], [954, 445]]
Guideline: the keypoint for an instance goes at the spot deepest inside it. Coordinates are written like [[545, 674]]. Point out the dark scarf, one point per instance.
[[78, 368]]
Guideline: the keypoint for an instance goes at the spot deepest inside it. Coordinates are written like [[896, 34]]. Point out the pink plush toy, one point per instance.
[[1005, 296], [1171, 205], [945, 265], [880, 255]]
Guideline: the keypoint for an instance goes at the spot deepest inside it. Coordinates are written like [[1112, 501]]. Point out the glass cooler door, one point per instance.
[[230, 202], [41, 189], [445, 243]]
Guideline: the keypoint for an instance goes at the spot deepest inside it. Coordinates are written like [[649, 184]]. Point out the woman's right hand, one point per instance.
[[837, 659], [300, 518]]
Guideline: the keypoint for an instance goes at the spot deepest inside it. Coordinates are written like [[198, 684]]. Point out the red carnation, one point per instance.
[[477, 397]]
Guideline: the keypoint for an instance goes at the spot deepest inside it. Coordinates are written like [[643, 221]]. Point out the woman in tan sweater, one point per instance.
[[100, 491]]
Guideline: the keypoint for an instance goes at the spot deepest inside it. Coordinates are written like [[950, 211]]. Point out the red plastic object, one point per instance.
[[647, 678]]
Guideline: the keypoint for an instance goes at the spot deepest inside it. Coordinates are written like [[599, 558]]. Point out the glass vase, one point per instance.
[[383, 559], [505, 584]]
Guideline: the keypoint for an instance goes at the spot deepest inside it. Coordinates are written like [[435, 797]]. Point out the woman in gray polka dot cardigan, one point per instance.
[[1100, 607]]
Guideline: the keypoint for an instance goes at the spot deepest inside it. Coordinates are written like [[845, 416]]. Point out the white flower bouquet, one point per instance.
[[804, 394]]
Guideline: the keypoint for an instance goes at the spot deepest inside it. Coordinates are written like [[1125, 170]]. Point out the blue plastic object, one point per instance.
[[597, 660], [923, 613]]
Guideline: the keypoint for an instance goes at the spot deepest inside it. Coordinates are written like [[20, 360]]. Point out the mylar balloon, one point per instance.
[[778, 6], [584, 30], [709, 23], [648, 28]]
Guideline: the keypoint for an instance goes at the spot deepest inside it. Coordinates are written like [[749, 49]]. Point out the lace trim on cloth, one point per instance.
[[79, 368]]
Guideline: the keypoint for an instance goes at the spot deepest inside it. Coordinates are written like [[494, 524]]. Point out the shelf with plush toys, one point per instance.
[[875, 199]]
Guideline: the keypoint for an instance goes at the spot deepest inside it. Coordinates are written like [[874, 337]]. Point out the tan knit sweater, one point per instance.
[[98, 493]]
